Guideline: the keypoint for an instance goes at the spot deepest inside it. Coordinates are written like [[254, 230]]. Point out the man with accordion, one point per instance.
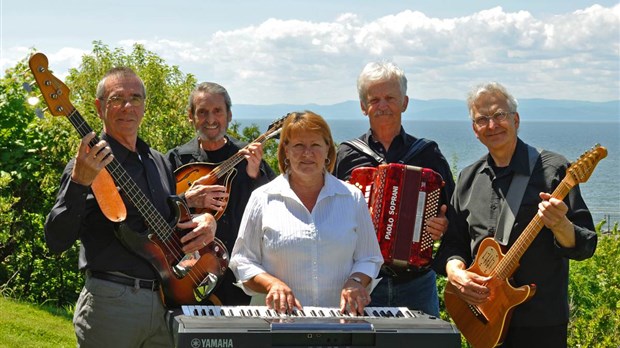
[[382, 88]]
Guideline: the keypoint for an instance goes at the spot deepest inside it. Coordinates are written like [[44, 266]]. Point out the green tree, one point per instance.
[[165, 123], [35, 151]]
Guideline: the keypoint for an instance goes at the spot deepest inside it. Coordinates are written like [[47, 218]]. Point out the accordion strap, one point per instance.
[[362, 147], [415, 148]]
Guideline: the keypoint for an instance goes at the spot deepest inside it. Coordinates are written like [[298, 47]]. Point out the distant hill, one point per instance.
[[448, 109]]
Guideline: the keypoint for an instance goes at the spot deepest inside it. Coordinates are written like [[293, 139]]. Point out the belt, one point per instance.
[[401, 274], [152, 285]]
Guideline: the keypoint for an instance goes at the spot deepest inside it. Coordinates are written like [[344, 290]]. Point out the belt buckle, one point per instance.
[[391, 272], [141, 284]]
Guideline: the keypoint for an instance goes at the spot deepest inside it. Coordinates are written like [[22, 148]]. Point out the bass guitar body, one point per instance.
[[185, 278], [208, 174], [486, 325]]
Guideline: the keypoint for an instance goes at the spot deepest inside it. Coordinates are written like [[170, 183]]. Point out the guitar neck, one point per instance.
[[235, 159], [510, 262], [146, 208]]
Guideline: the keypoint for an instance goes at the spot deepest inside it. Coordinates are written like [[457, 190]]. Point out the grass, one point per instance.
[[28, 325]]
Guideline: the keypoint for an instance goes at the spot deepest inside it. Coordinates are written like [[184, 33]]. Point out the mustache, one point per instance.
[[383, 113]]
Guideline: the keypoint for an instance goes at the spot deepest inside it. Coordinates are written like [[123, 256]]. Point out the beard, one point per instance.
[[203, 136]]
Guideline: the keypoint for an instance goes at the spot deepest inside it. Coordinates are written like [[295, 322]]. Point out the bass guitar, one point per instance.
[[184, 278], [222, 173], [486, 325]]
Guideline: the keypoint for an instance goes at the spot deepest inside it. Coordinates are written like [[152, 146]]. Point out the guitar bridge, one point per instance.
[[478, 314]]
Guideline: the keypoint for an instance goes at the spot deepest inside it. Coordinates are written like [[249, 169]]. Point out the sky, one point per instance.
[[311, 52]]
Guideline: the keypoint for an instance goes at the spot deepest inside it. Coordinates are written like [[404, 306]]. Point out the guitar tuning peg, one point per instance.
[[28, 86], [39, 112]]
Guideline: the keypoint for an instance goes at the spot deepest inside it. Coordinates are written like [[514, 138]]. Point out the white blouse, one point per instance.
[[312, 252]]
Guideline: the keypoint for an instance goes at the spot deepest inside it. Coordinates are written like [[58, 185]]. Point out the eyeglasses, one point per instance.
[[483, 120], [117, 102]]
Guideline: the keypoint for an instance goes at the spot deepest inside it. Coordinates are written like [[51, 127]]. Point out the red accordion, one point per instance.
[[401, 199]]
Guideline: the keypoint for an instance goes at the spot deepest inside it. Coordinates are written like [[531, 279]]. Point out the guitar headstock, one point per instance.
[[276, 126], [54, 91], [582, 168]]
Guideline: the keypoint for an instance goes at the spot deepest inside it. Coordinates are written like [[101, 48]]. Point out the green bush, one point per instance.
[[594, 295]]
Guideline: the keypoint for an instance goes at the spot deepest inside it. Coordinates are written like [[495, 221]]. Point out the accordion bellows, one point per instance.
[[401, 199]]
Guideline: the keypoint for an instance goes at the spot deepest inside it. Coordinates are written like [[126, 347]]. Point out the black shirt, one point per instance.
[[481, 189], [76, 213], [242, 187]]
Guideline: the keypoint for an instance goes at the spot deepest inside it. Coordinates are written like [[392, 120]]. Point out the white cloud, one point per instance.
[[566, 56]]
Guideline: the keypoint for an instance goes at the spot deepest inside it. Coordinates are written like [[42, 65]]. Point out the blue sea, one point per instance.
[[460, 147]]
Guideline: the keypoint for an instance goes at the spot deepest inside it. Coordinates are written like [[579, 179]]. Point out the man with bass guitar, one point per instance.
[[209, 111], [497, 197], [120, 304]]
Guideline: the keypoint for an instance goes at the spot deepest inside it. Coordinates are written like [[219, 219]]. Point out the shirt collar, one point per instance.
[[331, 187], [519, 163], [121, 152], [369, 138]]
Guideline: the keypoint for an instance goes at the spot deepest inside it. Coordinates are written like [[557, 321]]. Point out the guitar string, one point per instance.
[[509, 263], [164, 231], [83, 128], [225, 167]]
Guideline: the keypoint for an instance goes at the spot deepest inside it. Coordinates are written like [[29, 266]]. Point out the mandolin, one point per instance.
[[486, 325], [222, 173], [184, 278]]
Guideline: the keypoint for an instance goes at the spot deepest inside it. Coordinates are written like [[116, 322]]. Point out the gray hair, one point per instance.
[[380, 71], [490, 88], [121, 71], [212, 88]]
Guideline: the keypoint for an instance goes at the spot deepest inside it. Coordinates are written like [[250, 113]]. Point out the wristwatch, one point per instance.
[[356, 279]]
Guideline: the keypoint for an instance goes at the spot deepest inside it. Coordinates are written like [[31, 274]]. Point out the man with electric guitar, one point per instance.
[[217, 173], [497, 197], [122, 302]]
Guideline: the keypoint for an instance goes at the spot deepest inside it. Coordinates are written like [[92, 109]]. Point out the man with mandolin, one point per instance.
[[226, 171], [120, 304], [502, 204]]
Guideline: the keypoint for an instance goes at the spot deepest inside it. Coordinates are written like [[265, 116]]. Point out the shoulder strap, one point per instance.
[[362, 147], [513, 199], [415, 148], [174, 154]]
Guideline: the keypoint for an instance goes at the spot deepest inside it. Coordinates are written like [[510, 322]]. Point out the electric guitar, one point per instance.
[[184, 278], [221, 173], [486, 325]]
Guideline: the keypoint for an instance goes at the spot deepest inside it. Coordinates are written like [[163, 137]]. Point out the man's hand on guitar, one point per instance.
[[206, 197], [202, 232], [253, 153], [470, 286], [438, 225], [552, 212], [90, 161]]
